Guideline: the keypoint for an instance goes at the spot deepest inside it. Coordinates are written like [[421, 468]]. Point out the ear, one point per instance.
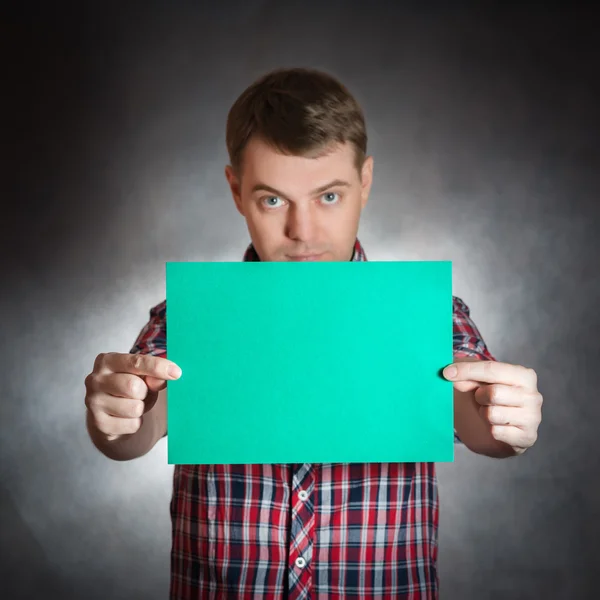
[[366, 177], [234, 184]]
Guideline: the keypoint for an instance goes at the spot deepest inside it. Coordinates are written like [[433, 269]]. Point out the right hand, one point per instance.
[[122, 387]]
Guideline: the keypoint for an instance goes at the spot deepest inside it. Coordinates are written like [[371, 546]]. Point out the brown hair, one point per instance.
[[298, 111]]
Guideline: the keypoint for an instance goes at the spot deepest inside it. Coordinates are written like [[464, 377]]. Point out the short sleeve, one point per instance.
[[152, 339], [466, 338]]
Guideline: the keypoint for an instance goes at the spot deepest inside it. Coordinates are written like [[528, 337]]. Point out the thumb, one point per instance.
[[154, 384], [466, 386]]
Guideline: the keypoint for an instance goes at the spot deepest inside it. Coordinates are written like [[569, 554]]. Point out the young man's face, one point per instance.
[[300, 208]]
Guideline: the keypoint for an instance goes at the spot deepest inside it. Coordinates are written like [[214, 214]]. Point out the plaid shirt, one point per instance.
[[301, 531]]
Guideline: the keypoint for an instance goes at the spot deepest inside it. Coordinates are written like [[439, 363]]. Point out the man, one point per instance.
[[300, 176]]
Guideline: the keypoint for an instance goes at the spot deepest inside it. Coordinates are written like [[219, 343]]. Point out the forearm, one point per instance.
[[126, 447], [472, 429]]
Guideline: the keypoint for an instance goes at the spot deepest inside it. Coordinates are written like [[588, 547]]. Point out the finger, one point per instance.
[[116, 426], [150, 400], [514, 436], [141, 364], [491, 371], [500, 394], [124, 408], [122, 385], [506, 415]]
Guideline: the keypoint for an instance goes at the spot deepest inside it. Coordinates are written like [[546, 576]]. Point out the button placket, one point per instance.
[[302, 532]]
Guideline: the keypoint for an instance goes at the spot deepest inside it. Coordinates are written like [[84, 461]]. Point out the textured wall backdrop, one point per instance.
[[484, 127]]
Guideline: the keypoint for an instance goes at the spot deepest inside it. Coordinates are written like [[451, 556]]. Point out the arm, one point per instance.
[[151, 340], [469, 425]]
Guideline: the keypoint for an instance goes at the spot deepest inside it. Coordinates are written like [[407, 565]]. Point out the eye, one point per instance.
[[330, 197], [271, 201]]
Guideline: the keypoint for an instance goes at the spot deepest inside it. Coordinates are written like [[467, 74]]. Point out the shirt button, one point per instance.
[[303, 495], [300, 562]]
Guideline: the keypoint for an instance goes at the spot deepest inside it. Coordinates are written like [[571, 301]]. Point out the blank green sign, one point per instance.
[[309, 362]]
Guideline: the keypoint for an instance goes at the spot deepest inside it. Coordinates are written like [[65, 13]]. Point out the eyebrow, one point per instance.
[[267, 188]]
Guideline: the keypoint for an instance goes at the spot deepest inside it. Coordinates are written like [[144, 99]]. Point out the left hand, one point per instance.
[[508, 397]]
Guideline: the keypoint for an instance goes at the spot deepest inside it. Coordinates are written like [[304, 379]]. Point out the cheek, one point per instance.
[[257, 220], [270, 227], [267, 231], [340, 232], [344, 222]]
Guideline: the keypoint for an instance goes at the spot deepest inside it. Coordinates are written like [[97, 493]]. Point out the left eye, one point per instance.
[[330, 197]]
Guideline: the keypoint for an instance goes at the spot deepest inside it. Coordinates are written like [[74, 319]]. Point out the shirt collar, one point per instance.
[[358, 254]]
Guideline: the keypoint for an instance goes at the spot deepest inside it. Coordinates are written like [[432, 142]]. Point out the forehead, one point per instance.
[[263, 162]]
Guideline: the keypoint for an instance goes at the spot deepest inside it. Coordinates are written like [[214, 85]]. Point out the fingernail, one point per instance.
[[174, 371], [450, 372]]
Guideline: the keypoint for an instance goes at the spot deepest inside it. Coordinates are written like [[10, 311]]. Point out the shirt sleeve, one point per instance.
[[466, 338], [152, 339]]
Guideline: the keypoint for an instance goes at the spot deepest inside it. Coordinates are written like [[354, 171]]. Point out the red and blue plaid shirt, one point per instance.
[[302, 531]]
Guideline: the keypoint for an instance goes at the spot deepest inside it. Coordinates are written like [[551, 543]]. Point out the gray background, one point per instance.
[[484, 128]]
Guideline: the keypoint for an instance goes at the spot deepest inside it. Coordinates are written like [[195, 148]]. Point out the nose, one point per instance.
[[301, 223]]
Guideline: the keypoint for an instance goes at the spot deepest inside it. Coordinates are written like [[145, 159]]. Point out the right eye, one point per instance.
[[271, 201]]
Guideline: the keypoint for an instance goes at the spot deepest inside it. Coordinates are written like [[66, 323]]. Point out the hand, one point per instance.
[[122, 387], [508, 397]]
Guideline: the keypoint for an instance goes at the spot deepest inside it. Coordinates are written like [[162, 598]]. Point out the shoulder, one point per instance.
[[159, 311], [459, 306]]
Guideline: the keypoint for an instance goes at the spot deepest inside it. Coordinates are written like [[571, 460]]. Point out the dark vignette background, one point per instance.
[[484, 125]]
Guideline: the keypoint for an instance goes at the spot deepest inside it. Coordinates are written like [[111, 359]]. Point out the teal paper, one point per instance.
[[309, 362]]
